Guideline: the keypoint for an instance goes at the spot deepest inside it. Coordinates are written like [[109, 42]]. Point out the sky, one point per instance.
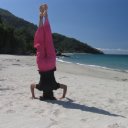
[[102, 24]]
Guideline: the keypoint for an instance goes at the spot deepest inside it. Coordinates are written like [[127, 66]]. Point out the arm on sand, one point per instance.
[[64, 87]]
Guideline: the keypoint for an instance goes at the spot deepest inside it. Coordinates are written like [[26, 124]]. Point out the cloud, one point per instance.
[[114, 51]]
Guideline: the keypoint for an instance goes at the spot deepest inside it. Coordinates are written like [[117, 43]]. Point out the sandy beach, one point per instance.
[[96, 98]]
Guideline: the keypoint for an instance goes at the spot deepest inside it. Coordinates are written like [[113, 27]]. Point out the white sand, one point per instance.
[[96, 98]]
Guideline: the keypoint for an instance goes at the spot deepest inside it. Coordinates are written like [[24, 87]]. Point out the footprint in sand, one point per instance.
[[17, 60], [4, 89], [56, 112], [63, 77], [124, 79], [26, 106], [53, 124], [17, 64], [40, 112], [83, 120], [2, 79], [110, 100], [10, 111], [114, 126]]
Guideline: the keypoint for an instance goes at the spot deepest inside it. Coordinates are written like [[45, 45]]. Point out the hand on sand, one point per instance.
[[61, 97], [34, 98]]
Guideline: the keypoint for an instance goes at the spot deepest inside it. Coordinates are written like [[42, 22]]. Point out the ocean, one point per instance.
[[115, 62]]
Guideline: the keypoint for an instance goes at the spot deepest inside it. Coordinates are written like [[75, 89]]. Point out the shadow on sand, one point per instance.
[[71, 105]]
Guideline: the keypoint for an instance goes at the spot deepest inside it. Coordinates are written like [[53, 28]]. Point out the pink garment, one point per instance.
[[43, 42]]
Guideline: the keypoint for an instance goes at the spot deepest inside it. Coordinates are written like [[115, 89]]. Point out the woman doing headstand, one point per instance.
[[46, 59]]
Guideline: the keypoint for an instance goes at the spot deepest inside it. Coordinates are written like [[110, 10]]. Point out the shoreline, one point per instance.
[[78, 69], [92, 71], [93, 66], [97, 61]]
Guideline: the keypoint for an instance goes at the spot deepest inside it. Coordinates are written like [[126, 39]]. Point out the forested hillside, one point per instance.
[[16, 37]]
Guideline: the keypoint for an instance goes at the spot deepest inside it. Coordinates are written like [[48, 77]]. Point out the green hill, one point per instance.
[[16, 37], [67, 44]]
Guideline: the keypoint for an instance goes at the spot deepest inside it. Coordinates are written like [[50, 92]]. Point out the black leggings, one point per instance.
[[47, 82]]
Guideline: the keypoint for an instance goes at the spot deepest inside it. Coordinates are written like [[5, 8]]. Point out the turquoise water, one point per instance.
[[118, 62]]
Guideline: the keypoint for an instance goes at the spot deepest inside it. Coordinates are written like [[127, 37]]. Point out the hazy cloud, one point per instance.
[[114, 51]]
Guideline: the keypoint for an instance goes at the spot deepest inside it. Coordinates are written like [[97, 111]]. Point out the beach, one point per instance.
[[96, 97]]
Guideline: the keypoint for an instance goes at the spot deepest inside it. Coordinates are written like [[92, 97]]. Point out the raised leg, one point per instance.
[[50, 50], [43, 42]]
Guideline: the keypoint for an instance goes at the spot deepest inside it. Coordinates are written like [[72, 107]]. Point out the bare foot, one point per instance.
[[45, 14], [43, 10], [45, 6]]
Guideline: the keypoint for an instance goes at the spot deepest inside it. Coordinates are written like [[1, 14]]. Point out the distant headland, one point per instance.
[[17, 35]]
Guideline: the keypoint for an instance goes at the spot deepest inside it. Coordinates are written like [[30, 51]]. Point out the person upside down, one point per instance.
[[46, 59]]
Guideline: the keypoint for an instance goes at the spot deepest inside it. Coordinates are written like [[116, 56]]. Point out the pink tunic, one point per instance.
[[43, 42]]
